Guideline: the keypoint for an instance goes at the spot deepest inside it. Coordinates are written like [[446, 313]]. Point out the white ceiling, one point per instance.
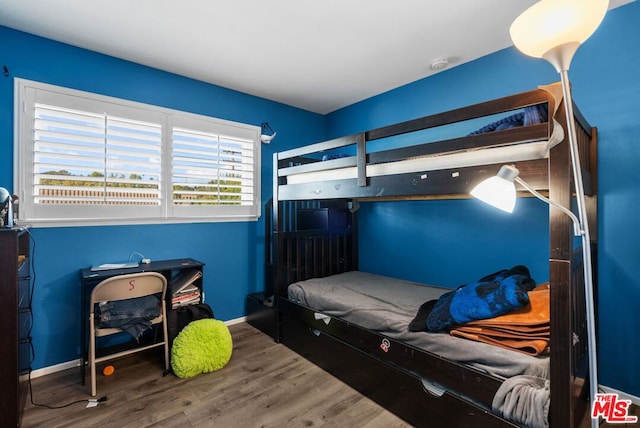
[[311, 54]]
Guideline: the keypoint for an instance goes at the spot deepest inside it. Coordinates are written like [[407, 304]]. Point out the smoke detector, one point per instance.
[[439, 64]]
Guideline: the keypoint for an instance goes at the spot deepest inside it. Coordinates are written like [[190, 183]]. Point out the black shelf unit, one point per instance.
[[16, 321]]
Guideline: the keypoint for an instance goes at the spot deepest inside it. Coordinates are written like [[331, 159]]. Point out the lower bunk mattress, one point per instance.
[[388, 305]]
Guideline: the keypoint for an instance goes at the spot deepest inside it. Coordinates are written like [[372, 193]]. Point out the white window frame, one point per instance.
[[28, 93]]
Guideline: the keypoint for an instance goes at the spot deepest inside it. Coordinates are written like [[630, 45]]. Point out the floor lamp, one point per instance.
[[554, 30]]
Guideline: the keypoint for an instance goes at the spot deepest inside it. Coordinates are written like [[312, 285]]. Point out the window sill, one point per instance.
[[130, 222]]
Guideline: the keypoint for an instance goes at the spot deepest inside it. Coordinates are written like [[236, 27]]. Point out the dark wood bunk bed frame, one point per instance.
[[392, 377]]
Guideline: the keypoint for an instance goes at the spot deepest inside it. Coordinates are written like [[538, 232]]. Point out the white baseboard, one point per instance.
[[55, 368], [236, 321], [76, 363], [623, 395]]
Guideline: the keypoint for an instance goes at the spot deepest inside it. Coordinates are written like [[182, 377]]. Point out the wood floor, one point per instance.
[[264, 385]]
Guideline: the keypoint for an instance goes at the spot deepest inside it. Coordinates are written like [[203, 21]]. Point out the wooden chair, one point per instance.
[[123, 287]]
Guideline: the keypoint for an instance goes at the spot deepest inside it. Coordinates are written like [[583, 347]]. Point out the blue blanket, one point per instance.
[[489, 297], [530, 116]]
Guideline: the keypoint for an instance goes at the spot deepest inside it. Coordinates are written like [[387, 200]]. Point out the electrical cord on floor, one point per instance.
[[33, 351], [87, 400]]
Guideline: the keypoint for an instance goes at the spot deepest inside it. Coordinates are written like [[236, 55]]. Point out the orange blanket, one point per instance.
[[524, 330]]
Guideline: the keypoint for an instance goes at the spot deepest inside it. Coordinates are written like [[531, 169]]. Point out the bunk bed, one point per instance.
[[312, 224]]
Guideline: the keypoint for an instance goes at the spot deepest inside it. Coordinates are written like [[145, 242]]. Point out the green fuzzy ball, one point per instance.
[[203, 346]]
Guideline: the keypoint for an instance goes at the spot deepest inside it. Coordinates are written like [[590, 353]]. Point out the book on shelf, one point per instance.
[[184, 280], [184, 291], [185, 299], [179, 305]]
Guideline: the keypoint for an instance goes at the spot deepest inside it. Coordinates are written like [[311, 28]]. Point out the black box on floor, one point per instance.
[[260, 313]]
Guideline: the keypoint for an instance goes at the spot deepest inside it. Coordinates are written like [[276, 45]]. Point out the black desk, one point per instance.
[[168, 268]]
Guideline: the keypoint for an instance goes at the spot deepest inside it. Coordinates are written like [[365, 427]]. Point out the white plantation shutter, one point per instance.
[[133, 162], [88, 159], [211, 169], [214, 168]]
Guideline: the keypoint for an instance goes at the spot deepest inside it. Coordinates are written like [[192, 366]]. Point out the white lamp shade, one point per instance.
[[549, 24], [497, 192]]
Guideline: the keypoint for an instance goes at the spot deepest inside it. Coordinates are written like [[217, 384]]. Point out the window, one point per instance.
[[83, 158]]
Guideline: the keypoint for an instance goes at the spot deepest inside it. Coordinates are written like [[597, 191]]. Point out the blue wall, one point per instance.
[[452, 242], [233, 252]]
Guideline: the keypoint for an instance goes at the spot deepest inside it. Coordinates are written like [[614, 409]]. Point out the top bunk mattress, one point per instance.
[[387, 306]]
